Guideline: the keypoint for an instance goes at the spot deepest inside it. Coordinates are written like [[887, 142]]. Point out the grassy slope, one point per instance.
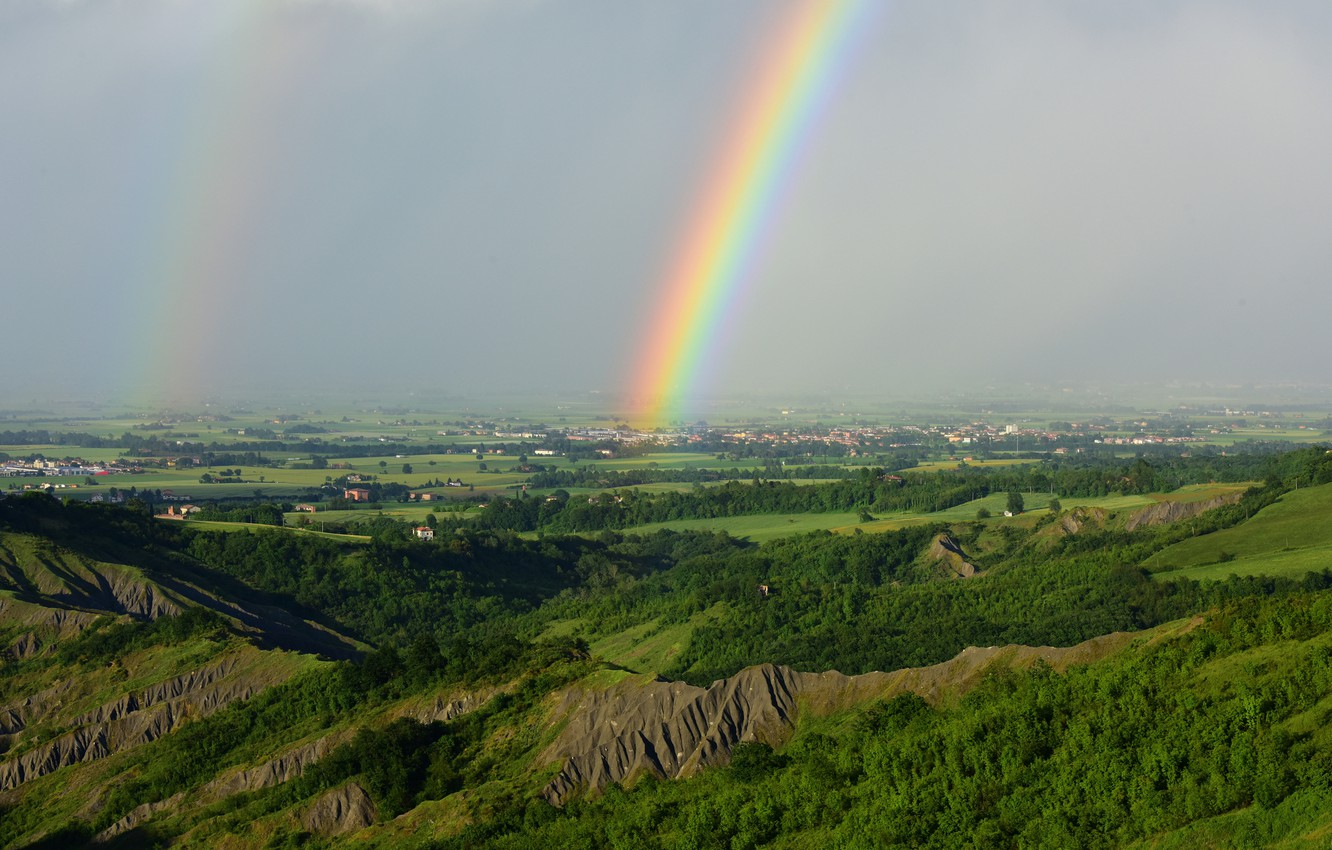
[[1290, 537], [213, 525], [649, 648], [762, 527]]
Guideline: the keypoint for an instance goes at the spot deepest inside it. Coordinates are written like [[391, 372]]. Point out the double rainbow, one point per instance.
[[738, 201]]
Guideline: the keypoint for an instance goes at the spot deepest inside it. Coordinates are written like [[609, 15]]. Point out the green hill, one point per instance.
[[678, 689], [1290, 537]]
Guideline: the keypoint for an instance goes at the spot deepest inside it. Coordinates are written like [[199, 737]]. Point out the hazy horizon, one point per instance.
[[459, 198]]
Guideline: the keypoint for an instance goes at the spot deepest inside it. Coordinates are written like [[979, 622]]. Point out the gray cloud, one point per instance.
[[472, 195]]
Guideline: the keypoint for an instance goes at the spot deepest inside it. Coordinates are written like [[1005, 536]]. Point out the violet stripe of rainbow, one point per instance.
[[739, 197]]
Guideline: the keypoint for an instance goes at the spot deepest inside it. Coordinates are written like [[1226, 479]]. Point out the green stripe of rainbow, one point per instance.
[[206, 200], [738, 200]]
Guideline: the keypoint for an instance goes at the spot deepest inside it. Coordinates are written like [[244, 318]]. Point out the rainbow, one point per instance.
[[204, 200], [739, 198]]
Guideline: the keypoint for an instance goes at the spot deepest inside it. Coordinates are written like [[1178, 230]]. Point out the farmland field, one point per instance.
[[954, 463], [762, 527], [758, 527]]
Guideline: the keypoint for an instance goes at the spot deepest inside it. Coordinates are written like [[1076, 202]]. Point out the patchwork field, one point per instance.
[[759, 527], [763, 527]]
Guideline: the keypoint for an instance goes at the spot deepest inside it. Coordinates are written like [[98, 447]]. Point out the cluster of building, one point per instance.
[[856, 439], [179, 512], [1148, 440], [361, 494], [43, 467]]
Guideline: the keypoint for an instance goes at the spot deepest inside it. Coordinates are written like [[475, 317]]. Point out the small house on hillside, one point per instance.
[[356, 494], [425, 532]]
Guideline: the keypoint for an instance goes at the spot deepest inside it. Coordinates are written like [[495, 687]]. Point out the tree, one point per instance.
[[1055, 507], [1015, 503], [406, 469]]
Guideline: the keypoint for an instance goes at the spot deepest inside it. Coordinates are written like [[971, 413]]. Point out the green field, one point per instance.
[[675, 460], [209, 525], [1287, 434], [761, 527], [758, 527], [1290, 537], [283, 482], [954, 463], [1292, 564], [648, 648]]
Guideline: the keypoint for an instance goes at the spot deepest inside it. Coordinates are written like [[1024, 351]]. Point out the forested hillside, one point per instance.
[[283, 687]]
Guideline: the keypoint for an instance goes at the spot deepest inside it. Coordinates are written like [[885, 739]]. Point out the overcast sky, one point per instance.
[[213, 195]]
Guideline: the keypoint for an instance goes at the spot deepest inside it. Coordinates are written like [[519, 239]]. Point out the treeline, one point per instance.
[[872, 490], [591, 476], [599, 478], [43, 437], [261, 513], [829, 605]]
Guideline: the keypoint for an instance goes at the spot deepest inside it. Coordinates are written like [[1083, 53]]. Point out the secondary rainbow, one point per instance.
[[205, 198], [738, 200]]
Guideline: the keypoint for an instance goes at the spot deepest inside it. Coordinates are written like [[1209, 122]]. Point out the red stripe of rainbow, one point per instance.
[[738, 200]]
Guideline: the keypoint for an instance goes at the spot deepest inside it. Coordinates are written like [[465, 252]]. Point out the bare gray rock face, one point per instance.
[[138, 815], [674, 729], [1167, 512], [344, 809], [67, 581], [46, 625], [948, 554], [277, 770], [130, 720], [443, 709]]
